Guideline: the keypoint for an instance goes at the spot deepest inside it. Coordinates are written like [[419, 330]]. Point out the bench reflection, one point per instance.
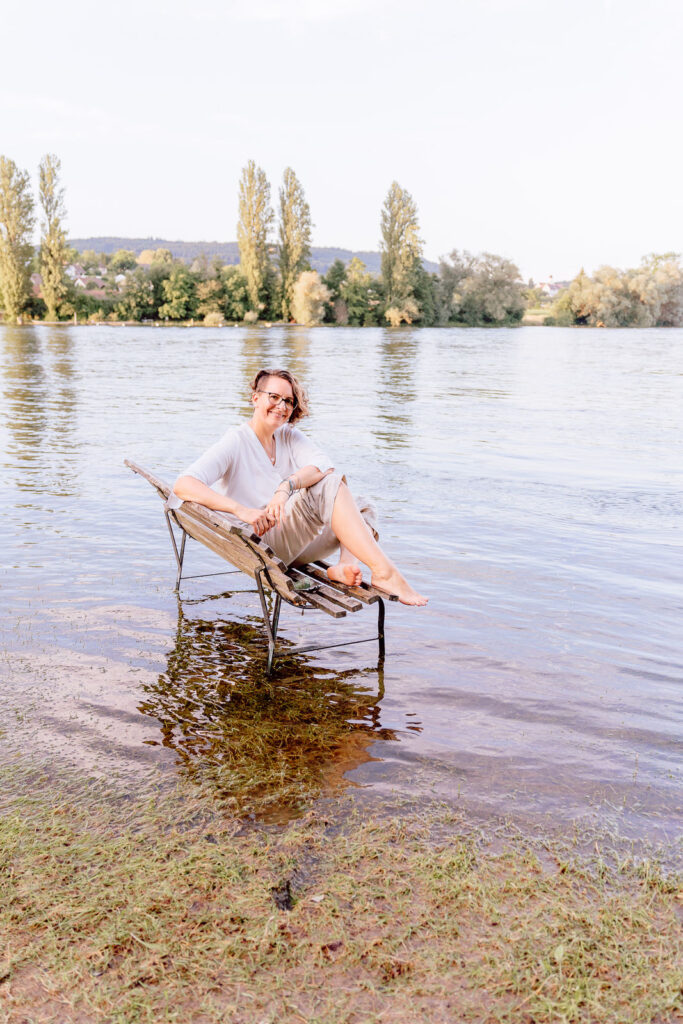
[[264, 745]]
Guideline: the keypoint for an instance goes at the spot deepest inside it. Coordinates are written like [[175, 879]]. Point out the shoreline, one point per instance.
[[143, 908], [533, 321]]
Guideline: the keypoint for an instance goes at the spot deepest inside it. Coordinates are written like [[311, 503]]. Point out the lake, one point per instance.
[[528, 481]]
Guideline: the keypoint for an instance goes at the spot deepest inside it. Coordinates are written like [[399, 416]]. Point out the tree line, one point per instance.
[[274, 280], [650, 295]]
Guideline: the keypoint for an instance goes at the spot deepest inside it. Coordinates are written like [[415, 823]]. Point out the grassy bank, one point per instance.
[[167, 910]]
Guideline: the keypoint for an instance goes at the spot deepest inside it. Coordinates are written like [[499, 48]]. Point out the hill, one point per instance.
[[322, 258]]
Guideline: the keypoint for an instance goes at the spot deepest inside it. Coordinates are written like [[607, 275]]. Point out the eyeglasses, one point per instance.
[[290, 403]]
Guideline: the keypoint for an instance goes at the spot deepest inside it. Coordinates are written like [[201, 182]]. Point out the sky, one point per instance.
[[546, 132]]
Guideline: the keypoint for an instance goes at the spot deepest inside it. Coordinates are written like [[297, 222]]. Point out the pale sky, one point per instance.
[[548, 132]]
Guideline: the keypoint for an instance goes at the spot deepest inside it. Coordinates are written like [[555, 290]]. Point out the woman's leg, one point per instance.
[[357, 541], [330, 502], [326, 546]]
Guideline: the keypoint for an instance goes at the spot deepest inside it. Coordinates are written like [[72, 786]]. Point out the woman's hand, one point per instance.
[[260, 518], [276, 506]]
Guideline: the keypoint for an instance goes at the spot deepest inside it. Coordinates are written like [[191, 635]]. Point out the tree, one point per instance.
[[123, 259], [667, 275], [650, 295], [89, 260], [295, 237], [210, 296], [16, 226], [53, 247], [162, 256], [333, 279], [425, 293], [158, 273], [137, 297], [180, 294], [236, 293], [406, 312], [401, 246], [480, 290], [308, 298], [355, 291], [253, 226]]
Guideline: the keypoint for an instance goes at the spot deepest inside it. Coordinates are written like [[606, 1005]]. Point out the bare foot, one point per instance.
[[392, 582], [346, 572]]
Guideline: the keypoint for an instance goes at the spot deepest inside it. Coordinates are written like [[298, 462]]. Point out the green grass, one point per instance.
[[122, 911]]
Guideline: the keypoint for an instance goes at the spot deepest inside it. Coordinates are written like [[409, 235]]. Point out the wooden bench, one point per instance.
[[305, 587]]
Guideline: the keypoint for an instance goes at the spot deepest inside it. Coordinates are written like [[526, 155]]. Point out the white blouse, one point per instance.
[[237, 466]]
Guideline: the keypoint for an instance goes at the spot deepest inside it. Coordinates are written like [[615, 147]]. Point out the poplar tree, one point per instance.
[[255, 220], [16, 226], [401, 246], [53, 248], [295, 237]]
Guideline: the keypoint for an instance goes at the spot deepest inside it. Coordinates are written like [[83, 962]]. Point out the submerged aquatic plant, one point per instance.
[[262, 744]]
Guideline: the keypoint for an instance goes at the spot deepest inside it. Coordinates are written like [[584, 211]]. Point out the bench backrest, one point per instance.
[[243, 549]]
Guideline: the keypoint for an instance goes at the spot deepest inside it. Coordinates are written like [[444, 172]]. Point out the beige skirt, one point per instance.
[[306, 534]]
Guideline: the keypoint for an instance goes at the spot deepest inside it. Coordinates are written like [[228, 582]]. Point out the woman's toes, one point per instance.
[[345, 572]]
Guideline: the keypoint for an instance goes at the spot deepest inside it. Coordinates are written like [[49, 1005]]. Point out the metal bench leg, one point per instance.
[[380, 628], [179, 556], [271, 624]]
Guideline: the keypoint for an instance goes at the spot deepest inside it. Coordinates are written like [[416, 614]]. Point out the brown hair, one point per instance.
[[300, 397]]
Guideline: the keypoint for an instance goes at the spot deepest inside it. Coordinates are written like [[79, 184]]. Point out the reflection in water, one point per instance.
[[289, 349], [40, 404], [266, 745], [259, 349], [25, 394], [398, 354], [296, 345]]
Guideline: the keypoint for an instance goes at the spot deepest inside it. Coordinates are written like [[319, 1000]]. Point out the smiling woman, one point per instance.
[[268, 474]]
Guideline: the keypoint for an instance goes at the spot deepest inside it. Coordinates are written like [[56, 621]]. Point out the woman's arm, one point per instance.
[[307, 476], [304, 477], [190, 489]]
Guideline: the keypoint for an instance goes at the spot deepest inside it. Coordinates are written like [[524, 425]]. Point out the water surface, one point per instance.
[[528, 480]]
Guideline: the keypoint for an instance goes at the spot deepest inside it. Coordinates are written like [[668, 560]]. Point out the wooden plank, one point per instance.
[[163, 488], [239, 554], [318, 601], [350, 604], [260, 545], [277, 570], [365, 592]]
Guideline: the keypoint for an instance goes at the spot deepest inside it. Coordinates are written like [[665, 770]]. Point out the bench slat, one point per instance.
[[350, 604], [365, 592], [239, 555], [323, 603]]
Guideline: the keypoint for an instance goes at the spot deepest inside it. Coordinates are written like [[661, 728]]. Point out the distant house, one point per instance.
[[552, 288], [74, 270]]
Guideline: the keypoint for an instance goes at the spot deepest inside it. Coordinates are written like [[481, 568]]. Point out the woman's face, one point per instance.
[[269, 401]]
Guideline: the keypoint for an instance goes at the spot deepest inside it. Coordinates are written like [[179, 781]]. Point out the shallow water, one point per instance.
[[528, 480]]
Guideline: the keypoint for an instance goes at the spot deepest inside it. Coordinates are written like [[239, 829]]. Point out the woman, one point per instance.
[[268, 474]]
